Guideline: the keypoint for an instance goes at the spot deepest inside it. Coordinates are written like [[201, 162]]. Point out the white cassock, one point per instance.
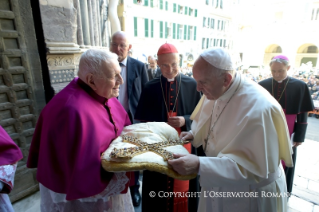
[[243, 151]]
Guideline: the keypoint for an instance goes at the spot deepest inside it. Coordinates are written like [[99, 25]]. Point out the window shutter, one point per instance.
[[166, 6], [152, 3], [135, 26], [174, 7], [186, 10], [166, 30], [178, 31], [161, 4], [146, 27], [195, 33], [161, 29], [152, 28], [195, 12], [189, 33], [174, 30], [145, 2]]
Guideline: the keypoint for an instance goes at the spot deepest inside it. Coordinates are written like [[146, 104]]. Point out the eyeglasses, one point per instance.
[[115, 45], [167, 66]]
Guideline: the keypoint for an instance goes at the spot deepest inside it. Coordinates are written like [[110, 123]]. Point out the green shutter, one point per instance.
[[195, 12], [146, 27], [161, 4], [161, 29], [185, 32], [166, 31], [174, 7], [189, 32], [177, 31], [152, 4], [135, 1], [152, 28], [179, 8], [145, 2], [166, 6], [135, 26], [195, 33], [174, 28], [185, 10], [189, 11]]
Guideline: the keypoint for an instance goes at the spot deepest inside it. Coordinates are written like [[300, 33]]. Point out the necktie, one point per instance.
[[121, 64]]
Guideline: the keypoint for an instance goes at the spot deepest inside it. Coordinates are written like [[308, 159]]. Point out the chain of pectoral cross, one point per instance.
[[142, 147]]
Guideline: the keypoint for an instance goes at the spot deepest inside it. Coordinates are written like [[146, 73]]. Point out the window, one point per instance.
[[180, 9], [222, 27], [218, 24], [207, 43], [195, 12], [135, 26], [203, 43], [190, 12], [166, 30], [152, 28], [208, 22], [204, 21], [174, 31], [221, 43], [211, 42], [166, 6], [207, 2], [214, 42], [161, 29], [186, 10], [180, 31], [312, 14], [221, 4], [317, 14], [212, 23], [216, 4], [174, 7], [161, 4], [224, 43], [152, 3], [195, 33], [212, 2], [190, 32], [145, 2], [185, 32], [146, 27]]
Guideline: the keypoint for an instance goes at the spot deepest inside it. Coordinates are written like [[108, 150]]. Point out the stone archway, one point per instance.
[[307, 52], [271, 51]]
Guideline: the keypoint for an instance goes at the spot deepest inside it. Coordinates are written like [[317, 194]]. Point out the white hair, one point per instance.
[[92, 60]]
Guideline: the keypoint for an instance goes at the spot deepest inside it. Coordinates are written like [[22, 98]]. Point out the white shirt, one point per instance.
[[123, 97]]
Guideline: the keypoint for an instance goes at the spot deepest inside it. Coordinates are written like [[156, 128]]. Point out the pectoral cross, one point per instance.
[[142, 147]]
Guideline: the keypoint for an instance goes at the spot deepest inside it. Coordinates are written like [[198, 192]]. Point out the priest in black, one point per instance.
[[170, 98], [294, 97]]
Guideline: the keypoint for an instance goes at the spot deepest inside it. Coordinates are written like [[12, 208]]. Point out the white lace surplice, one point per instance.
[[7, 180], [109, 200]]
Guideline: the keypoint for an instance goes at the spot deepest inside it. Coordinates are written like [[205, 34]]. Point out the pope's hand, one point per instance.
[[185, 164], [186, 136], [177, 121]]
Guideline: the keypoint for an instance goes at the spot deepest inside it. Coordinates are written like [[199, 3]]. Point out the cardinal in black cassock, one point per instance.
[[170, 98], [294, 97]]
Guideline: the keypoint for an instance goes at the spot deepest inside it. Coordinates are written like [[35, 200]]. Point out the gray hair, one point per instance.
[[92, 60], [279, 60]]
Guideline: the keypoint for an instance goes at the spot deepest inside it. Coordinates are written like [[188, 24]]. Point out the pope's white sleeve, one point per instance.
[[223, 171]]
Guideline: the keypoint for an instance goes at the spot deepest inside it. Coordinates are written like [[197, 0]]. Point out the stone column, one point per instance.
[[85, 22], [95, 23], [79, 23], [98, 10], [89, 2]]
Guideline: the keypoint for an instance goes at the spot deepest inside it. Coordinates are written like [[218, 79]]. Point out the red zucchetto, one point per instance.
[[167, 48]]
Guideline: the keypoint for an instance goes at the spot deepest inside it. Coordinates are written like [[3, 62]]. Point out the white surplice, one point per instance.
[[243, 151]]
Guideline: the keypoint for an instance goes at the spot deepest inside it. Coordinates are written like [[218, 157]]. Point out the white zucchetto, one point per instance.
[[218, 57]]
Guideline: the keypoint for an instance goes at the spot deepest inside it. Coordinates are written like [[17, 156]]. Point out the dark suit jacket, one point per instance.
[[136, 78], [157, 73]]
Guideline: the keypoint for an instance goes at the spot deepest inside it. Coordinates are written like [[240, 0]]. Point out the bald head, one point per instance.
[[120, 45]]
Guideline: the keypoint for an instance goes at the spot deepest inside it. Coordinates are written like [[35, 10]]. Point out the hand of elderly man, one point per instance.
[[186, 136], [185, 164], [177, 121]]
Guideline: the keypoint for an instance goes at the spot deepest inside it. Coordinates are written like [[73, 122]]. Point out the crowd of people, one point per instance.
[[240, 134]]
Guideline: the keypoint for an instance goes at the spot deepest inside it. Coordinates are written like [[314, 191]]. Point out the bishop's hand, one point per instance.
[[186, 136], [185, 164], [176, 121]]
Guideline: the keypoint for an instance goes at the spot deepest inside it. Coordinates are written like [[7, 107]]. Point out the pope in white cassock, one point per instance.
[[243, 131]]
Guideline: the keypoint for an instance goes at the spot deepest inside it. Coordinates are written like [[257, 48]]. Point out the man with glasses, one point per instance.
[[170, 98], [134, 76], [294, 97]]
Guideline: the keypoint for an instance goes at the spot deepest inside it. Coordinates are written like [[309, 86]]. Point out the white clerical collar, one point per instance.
[[170, 80], [232, 88], [282, 80], [124, 62]]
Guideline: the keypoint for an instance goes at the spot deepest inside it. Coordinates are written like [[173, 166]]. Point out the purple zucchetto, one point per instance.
[[283, 57]]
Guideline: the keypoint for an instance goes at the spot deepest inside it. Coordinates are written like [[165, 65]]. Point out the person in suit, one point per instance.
[[134, 76], [153, 71]]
